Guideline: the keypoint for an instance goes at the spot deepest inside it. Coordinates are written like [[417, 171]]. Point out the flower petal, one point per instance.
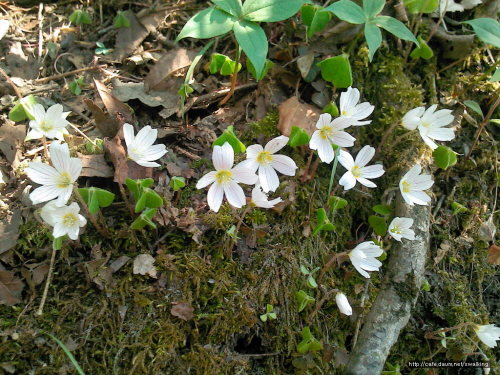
[[349, 99], [44, 193], [147, 164], [59, 155], [244, 176], [441, 134], [253, 151], [223, 157], [276, 144], [324, 119], [325, 151], [42, 173], [250, 164], [128, 134], [373, 171], [284, 164], [268, 178], [364, 156], [154, 152], [214, 197], [234, 194], [55, 112], [145, 138], [348, 181], [366, 182], [363, 110], [346, 160], [206, 180], [342, 139], [419, 197]]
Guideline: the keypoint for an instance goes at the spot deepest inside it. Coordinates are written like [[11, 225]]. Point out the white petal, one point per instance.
[[315, 140], [343, 304], [348, 181], [325, 151], [363, 110], [422, 182], [244, 176], [234, 194], [276, 144], [154, 152], [33, 134], [214, 197], [342, 122], [253, 151], [346, 160], [64, 195], [55, 112], [42, 173], [223, 157], [284, 164], [74, 168], [373, 171], [406, 197], [59, 155], [441, 134], [147, 164], [412, 173], [408, 233], [59, 230], [128, 134], [343, 139], [250, 164], [324, 119], [428, 141], [38, 113], [364, 156], [268, 178], [145, 138], [367, 183], [419, 197], [206, 180], [44, 193], [349, 99]]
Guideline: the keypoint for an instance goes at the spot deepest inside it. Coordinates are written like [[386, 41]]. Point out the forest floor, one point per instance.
[[186, 297]]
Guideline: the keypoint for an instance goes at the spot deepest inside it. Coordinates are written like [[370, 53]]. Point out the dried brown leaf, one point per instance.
[[106, 124], [11, 287], [293, 112], [11, 137], [119, 263], [341, 358], [129, 38], [442, 251], [9, 230], [115, 107], [494, 255], [182, 310], [144, 265], [95, 166]]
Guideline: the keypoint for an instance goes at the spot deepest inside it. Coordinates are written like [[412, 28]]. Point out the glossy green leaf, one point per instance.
[[22, 109], [207, 24], [496, 76], [337, 70], [177, 182], [444, 157], [422, 50], [298, 137], [269, 308], [395, 27], [332, 109], [216, 62], [96, 198], [252, 39], [144, 219], [487, 29], [336, 203], [233, 7], [229, 136], [315, 18], [79, 16], [474, 106], [148, 199], [121, 20], [348, 11], [378, 224], [383, 209], [322, 222], [373, 37], [372, 7], [424, 6], [458, 208], [268, 65], [270, 10]]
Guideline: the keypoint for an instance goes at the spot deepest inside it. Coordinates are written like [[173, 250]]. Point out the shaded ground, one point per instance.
[[199, 311]]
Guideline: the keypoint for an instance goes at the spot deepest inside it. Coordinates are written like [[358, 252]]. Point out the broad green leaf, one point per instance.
[[272, 315], [216, 62], [263, 317], [303, 299], [337, 70], [336, 203], [474, 106], [79, 16], [373, 37], [315, 345], [458, 208], [268, 65], [487, 29], [74, 87], [444, 157], [270, 10], [121, 20], [207, 24], [382, 209], [348, 11], [424, 6], [372, 7], [148, 199], [315, 18], [185, 90], [322, 222], [422, 50], [311, 283], [378, 224], [395, 27], [177, 182], [22, 109], [304, 270], [298, 137], [252, 39], [229, 136], [146, 182], [496, 76], [144, 219], [228, 67], [306, 333], [303, 346], [233, 7], [332, 109], [269, 308]]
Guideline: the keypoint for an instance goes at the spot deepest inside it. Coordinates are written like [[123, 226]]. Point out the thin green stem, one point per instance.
[[334, 169], [103, 232], [234, 76]]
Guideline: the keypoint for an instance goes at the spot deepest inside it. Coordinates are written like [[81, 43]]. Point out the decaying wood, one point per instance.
[[398, 293]]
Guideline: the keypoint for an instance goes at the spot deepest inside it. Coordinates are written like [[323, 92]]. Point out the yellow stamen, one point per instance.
[[46, 127], [396, 229], [264, 158], [69, 220], [326, 132], [356, 171], [223, 177], [406, 186], [64, 180], [425, 124]]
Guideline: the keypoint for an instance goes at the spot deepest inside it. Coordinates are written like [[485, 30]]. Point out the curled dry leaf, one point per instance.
[[94, 166], [182, 310], [494, 255], [143, 265], [293, 112]]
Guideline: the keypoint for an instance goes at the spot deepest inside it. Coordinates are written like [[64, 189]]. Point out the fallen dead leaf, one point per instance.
[[182, 310], [115, 107], [442, 251], [304, 63], [494, 255], [341, 358], [11, 287], [106, 124], [95, 166], [129, 38], [11, 137], [143, 265], [358, 288], [293, 112], [9, 230]]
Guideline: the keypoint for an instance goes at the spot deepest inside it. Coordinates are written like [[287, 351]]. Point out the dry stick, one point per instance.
[[104, 231], [313, 170], [122, 189], [234, 76], [358, 320], [384, 138], [328, 265], [306, 170], [62, 75], [432, 335], [47, 284], [16, 90], [481, 127]]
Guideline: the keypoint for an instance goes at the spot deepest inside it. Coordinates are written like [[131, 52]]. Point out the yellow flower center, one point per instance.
[[406, 186], [223, 177], [396, 229], [69, 220], [425, 124], [264, 158], [46, 126], [64, 180], [356, 171], [326, 132]]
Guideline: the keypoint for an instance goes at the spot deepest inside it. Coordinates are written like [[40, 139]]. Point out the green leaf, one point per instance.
[[270, 10], [101, 50], [148, 199], [444, 157], [337, 70], [263, 317], [303, 299], [474, 106], [304, 270], [395, 27], [298, 137], [207, 24], [57, 243], [422, 50], [372, 7], [146, 182], [68, 354], [303, 346], [378, 224], [382, 209], [336, 203], [311, 283], [229, 136], [233, 7], [496, 76], [487, 29], [228, 67], [121, 20], [315, 345], [185, 90], [177, 182], [348, 11], [216, 62], [22, 109], [272, 315], [373, 37], [458, 208], [79, 16], [74, 87], [252, 39], [332, 109], [133, 186], [322, 222], [269, 308], [144, 219], [268, 65], [315, 18], [306, 333], [424, 6]]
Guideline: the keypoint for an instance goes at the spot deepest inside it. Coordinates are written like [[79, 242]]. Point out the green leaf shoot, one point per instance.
[[444, 157], [337, 70]]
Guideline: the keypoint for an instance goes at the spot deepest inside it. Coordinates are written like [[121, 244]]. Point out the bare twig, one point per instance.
[[62, 75], [39, 312]]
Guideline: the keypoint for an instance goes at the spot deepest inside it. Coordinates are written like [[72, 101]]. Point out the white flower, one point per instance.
[[400, 227], [57, 181], [413, 184], [51, 124], [4, 27], [431, 126], [225, 179], [459, 6], [266, 161], [357, 170], [488, 334], [65, 220], [350, 108], [363, 257], [140, 148], [47, 211], [259, 198], [411, 120], [330, 132], [343, 304]]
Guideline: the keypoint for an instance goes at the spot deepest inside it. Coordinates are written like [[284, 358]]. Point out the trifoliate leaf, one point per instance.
[[298, 137], [444, 157]]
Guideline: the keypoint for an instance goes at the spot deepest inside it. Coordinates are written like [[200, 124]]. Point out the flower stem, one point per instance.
[[39, 312], [234, 76], [102, 231], [432, 335], [328, 264], [122, 189], [45, 149], [384, 138], [334, 169]]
